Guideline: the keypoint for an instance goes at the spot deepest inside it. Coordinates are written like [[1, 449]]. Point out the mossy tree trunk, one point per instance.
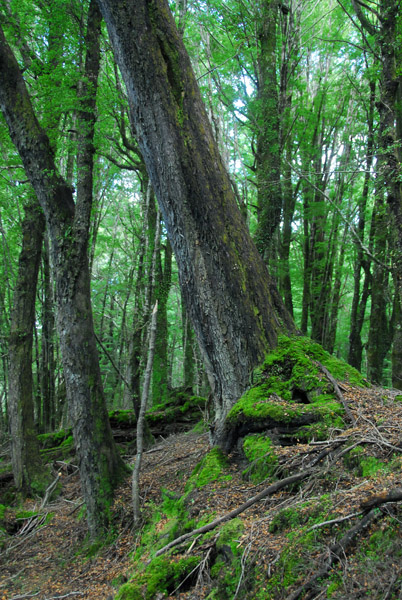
[[29, 472], [232, 301], [101, 467], [268, 153]]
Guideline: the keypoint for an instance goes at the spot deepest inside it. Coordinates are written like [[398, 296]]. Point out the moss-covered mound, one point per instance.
[[179, 413], [292, 397]]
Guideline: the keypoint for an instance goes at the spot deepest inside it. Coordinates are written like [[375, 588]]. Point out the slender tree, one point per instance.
[[30, 475], [101, 467]]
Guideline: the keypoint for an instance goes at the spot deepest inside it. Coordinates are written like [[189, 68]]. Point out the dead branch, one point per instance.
[[335, 552], [49, 491], [337, 392], [333, 521], [269, 491], [379, 499], [272, 489]]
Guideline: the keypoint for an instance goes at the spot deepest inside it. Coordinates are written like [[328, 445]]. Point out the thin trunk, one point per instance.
[[268, 155], [141, 417], [160, 386], [47, 368], [360, 298], [188, 351], [30, 475]]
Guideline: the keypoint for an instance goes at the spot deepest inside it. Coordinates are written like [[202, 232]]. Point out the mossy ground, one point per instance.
[[264, 553]]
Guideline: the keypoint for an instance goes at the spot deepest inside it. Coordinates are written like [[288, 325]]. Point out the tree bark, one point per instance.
[[233, 303], [29, 472], [268, 154], [101, 467]]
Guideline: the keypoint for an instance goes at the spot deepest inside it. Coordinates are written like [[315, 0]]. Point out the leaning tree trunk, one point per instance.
[[233, 303], [29, 472], [101, 467]]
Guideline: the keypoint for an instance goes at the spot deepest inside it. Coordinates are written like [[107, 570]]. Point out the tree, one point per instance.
[[29, 472], [232, 301], [101, 467]]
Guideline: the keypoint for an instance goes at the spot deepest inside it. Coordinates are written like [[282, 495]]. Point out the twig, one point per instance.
[[25, 596], [65, 595], [243, 566], [333, 521]]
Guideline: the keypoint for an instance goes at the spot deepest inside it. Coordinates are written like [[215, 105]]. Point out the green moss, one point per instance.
[[227, 567], [54, 439], [398, 398], [363, 465], [210, 468], [230, 534], [294, 357], [302, 542], [260, 453], [257, 404], [200, 427], [291, 391], [25, 514], [123, 417], [163, 575]]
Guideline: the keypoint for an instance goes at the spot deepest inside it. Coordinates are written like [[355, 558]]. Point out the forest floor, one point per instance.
[[284, 541]]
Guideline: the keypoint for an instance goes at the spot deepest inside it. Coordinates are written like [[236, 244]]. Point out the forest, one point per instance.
[[201, 236]]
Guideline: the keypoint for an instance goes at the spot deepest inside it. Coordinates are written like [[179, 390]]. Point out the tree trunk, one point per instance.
[[359, 302], [160, 364], [47, 366], [101, 467], [29, 472], [268, 155], [233, 303]]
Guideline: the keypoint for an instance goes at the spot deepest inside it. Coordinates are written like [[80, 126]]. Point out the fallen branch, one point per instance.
[[379, 499], [49, 491], [337, 392], [272, 489], [336, 551], [65, 595], [334, 521]]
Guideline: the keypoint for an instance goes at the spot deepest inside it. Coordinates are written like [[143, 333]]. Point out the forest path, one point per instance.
[[48, 561]]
